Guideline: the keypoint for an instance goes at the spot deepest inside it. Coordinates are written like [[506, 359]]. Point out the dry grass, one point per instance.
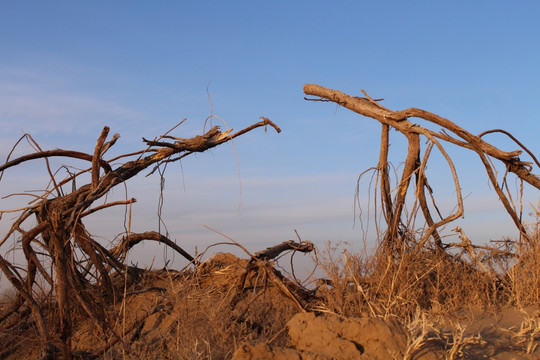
[[431, 281], [388, 288], [431, 291], [192, 315]]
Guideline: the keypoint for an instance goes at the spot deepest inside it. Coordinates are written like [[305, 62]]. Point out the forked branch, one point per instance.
[[76, 266], [449, 132]]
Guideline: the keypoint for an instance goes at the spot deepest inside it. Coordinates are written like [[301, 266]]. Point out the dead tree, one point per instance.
[[76, 264], [396, 237]]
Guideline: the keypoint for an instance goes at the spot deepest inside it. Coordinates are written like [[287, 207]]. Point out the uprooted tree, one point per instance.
[[397, 236], [82, 274], [60, 250]]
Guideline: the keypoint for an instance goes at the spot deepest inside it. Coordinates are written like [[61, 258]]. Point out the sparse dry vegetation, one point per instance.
[[413, 297]]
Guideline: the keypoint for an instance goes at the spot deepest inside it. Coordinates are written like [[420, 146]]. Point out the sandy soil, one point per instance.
[[504, 335], [173, 315]]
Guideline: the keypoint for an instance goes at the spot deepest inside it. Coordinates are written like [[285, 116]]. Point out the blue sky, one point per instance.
[[69, 68]]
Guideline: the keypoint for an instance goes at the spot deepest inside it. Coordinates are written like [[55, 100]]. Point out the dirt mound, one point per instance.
[[196, 315], [505, 334], [221, 270], [329, 336]]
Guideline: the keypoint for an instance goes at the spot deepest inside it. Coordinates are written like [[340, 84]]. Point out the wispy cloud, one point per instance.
[[38, 103]]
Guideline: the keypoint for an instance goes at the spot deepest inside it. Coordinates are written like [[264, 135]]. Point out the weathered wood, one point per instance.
[[399, 120], [274, 251], [131, 240], [64, 239]]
